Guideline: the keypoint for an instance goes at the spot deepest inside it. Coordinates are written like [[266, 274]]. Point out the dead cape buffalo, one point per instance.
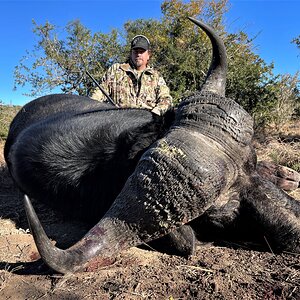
[[146, 176]]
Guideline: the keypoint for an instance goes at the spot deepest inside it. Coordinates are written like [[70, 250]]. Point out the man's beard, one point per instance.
[[138, 62]]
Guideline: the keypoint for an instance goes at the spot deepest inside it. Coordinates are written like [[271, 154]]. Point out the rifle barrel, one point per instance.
[[101, 89]]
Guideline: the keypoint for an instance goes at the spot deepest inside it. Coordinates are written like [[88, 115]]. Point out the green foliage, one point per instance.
[[283, 104], [180, 50], [7, 114], [63, 62], [248, 75], [297, 41]]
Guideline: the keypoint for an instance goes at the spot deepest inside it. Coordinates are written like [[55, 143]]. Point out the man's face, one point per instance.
[[140, 58]]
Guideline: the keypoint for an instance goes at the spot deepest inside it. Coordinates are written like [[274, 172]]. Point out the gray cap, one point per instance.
[[140, 41]]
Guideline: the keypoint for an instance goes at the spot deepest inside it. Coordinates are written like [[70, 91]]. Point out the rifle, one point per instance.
[[101, 89]]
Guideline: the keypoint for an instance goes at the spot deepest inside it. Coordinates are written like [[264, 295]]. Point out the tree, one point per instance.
[[63, 62], [297, 110], [181, 51], [249, 78], [296, 41], [284, 103]]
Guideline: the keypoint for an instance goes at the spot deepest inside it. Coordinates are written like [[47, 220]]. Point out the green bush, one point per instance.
[[7, 113]]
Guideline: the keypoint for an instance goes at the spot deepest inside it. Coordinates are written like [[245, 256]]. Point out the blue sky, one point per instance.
[[276, 22]]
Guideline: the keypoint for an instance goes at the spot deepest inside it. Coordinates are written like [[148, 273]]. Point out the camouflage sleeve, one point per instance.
[[97, 93], [164, 99]]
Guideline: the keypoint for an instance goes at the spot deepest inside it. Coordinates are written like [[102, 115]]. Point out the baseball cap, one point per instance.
[[140, 41]]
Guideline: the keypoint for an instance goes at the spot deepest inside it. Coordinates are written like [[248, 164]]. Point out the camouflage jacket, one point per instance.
[[130, 88]]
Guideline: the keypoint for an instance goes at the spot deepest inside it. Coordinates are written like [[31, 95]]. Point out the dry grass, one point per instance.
[[286, 154], [281, 147]]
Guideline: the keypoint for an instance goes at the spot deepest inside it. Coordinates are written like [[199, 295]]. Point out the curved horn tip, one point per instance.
[[194, 20], [27, 204], [44, 246], [216, 77], [199, 23], [72, 260], [30, 212]]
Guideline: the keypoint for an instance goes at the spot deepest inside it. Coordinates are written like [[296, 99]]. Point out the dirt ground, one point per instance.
[[227, 271]]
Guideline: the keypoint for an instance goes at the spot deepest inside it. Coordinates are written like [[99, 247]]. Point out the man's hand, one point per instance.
[[156, 111]]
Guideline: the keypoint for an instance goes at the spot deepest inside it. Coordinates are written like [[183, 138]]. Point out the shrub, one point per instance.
[[7, 113]]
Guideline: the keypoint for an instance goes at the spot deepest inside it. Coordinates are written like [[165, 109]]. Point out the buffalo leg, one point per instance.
[[276, 212], [218, 222]]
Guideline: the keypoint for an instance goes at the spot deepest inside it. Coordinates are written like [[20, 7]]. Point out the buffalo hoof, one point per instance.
[[284, 177]]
